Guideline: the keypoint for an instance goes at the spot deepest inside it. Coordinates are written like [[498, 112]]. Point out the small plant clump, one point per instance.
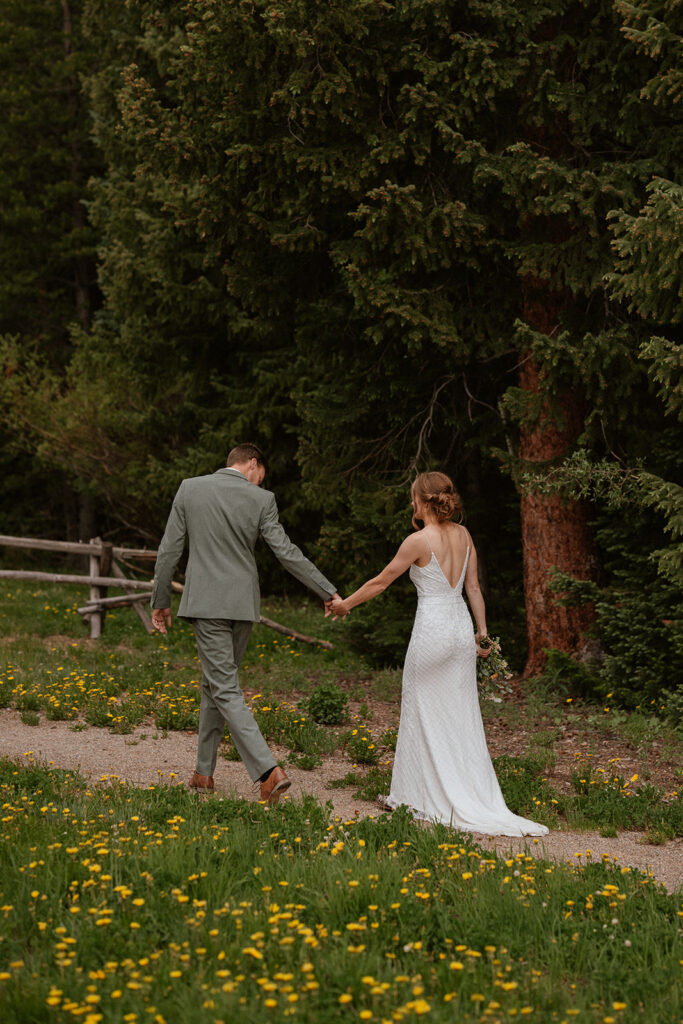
[[327, 705], [369, 785], [389, 738], [360, 745], [307, 762]]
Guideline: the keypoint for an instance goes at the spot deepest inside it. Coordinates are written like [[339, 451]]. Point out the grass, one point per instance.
[[120, 904], [47, 665], [599, 799], [49, 670], [367, 785], [50, 667], [126, 905]]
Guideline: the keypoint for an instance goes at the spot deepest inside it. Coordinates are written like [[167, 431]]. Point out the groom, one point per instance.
[[223, 515]]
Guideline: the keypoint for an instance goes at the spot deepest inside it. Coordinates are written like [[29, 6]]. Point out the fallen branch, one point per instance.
[[293, 635]]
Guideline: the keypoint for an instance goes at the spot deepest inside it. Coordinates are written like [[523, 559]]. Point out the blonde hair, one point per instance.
[[436, 491]]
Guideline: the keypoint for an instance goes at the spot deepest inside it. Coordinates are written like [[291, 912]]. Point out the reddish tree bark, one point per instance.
[[555, 530]]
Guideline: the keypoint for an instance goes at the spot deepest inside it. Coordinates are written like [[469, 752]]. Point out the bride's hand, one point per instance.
[[336, 608], [482, 639]]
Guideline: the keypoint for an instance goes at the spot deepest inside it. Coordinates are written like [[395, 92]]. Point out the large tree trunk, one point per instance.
[[555, 530]]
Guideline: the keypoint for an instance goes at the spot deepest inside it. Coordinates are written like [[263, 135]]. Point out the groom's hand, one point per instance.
[[161, 619], [334, 606]]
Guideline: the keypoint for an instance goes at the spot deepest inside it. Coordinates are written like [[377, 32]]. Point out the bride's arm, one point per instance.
[[409, 551], [474, 594]]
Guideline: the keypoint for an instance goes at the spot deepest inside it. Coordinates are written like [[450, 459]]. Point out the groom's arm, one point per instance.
[[289, 555], [170, 550]]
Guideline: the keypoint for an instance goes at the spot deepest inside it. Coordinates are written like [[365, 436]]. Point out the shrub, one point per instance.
[[563, 675], [671, 705], [327, 705], [639, 637], [643, 643]]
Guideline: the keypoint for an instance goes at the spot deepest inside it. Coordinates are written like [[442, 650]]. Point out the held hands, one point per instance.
[[335, 607], [161, 619]]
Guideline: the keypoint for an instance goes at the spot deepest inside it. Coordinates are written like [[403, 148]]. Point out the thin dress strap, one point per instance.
[[464, 564], [467, 541]]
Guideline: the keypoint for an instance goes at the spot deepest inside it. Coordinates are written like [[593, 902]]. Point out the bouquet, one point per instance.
[[493, 672]]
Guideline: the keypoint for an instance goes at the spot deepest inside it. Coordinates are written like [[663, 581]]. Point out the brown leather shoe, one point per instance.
[[274, 786], [201, 781]]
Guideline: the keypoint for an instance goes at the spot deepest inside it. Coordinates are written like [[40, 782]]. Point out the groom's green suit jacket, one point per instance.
[[222, 516]]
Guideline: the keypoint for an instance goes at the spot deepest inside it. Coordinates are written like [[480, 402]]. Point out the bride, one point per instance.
[[442, 769]]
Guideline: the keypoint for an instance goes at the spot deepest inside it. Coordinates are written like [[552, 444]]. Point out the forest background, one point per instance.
[[375, 238]]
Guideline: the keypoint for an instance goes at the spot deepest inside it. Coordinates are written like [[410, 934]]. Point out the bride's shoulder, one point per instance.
[[416, 540], [416, 544], [416, 548], [462, 531]]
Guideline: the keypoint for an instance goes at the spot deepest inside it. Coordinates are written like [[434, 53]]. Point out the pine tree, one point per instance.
[[375, 238], [47, 272]]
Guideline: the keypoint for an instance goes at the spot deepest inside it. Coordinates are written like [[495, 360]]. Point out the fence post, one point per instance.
[[99, 566]]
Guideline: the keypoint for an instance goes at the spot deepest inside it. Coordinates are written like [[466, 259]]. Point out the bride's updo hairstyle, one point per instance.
[[437, 493]]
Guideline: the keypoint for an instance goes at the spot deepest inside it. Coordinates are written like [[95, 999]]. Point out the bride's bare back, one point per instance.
[[448, 542]]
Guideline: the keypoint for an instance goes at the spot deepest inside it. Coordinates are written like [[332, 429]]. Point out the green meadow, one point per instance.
[[127, 904], [122, 904]]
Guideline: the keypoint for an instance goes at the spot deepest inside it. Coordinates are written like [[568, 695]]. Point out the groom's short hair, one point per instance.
[[245, 453]]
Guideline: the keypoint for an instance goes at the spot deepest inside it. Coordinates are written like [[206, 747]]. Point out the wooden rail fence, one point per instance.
[[104, 571]]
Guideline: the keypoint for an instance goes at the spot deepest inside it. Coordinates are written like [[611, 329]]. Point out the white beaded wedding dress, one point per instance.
[[442, 769]]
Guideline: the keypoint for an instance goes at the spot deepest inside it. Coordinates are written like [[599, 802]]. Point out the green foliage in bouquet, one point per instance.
[[493, 672]]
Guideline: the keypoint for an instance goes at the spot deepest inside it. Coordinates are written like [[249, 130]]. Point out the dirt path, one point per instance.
[[145, 758]]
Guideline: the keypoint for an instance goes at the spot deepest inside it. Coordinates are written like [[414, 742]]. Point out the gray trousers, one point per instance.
[[221, 644]]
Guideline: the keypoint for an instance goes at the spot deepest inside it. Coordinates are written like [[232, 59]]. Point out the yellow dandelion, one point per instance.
[[252, 951]]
